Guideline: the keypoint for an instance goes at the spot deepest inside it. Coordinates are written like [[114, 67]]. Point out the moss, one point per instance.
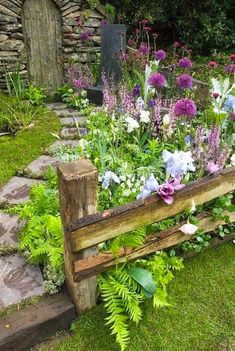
[[28, 144], [23, 304]]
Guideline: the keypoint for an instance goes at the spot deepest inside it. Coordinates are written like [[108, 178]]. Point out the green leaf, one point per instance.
[[144, 278]]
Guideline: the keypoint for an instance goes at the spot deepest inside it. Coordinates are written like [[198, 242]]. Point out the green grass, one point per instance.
[[202, 316], [18, 151]]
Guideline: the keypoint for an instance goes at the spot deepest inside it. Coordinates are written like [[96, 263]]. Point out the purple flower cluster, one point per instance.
[[80, 79], [185, 107], [160, 55], [144, 49], [127, 101], [165, 191], [185, 63], [230, 69], [85, 36], [124, 57], [157, 80], [109, 96], [184, 81]]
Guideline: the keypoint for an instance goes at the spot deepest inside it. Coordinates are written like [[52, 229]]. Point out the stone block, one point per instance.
[[73, 133], [10, 225], [38, 168]]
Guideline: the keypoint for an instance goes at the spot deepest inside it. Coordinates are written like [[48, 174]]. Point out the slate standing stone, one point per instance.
[[18, 280], [113, 41]]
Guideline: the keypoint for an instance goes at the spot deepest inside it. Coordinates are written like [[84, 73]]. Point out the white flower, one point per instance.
[[178, 163], [140, 105], [131, 124], [108, 178], [188, 229], [193, 207], [232, 160], [166, 120], [144, 116]]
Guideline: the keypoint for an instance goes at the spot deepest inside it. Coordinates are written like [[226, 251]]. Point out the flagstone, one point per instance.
[[10, 226], [73, 133], [16, 191], [18, 280], [38, 168]]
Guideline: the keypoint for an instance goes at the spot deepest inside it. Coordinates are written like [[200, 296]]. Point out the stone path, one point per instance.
[[18, 279]]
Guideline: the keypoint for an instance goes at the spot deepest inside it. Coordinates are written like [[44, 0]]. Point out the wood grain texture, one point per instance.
[[78, 183], [42, 29], [25, 328], [95, 229], [154, 242]]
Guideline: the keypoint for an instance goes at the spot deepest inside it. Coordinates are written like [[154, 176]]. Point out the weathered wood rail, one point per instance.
[[84, 229]]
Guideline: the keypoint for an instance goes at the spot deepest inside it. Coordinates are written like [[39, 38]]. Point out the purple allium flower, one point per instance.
[[184, 81], [165, 191], [160, 55], [157, 80], [212, 167], [233, 117], [185, 107], [144, 49], [136, 90], [230, 68], [85, 36], [185, 63], [151, 102]]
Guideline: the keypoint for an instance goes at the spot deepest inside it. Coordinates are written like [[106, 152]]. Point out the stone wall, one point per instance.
[[12, 47]]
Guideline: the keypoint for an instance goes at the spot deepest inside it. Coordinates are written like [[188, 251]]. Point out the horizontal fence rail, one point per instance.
[[84, 229], [98, 228]]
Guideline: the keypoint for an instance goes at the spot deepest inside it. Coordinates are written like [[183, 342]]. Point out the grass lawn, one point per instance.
[[28, 144], [202, 316]]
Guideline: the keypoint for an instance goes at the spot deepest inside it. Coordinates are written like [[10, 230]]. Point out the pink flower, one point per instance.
[[176, 44], [215, 95], [124, 57], [232, 57], [165, 191], [212, 64], [144, 49], [188, 229], [175, 182], [212, 167]]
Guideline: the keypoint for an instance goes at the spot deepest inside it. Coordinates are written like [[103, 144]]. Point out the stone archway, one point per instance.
[[42, 30]]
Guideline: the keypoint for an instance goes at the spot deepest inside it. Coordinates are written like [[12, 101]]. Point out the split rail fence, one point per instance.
[[84, 229]]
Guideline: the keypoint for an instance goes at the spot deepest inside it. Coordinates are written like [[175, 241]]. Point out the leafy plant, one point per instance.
[[14, 82], [35, 95]]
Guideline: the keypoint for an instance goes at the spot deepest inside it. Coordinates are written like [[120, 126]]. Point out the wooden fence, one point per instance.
[[84, 229]]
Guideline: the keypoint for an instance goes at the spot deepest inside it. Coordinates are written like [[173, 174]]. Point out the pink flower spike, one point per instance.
[[188, 229]]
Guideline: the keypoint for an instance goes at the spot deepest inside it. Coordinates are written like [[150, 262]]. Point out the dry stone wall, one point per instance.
[[12, 43]]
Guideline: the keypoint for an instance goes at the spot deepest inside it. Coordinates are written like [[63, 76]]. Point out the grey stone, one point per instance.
[[73, 133], [73, 121], [16, 191], [56, 106], [38, 168], [3, 37], [67, 112], [18, 280], [12, 44], [10, 225], [61, 143]]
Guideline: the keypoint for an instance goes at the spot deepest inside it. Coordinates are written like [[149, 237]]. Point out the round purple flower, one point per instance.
[[184, 81], [233, 117], [185, 107], [85, 36], [230, 69], [136, 90], [157, 80], [160, 55], [185, 63]]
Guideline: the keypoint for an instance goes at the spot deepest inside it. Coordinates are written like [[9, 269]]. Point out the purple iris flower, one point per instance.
[[136, 90], [165, 191], [151, 102], [151, 185]]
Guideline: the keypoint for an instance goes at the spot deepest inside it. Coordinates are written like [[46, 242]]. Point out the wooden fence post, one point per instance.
[[78, 196]]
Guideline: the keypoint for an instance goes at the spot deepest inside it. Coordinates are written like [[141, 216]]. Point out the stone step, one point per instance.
[[73, 121], [73, 133], [56, 106], [10, 226], [16, 191], [39, 167], [61, 143], [67, 112], [18, 280]]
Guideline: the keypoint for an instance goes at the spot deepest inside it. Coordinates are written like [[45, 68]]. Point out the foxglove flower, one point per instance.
[[151, 185], [212, 167], [144, 116], [178, 163], [108, 178], [131, 124], [188, 229]]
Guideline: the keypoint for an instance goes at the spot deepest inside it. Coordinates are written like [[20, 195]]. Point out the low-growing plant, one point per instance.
[[35, 95]]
